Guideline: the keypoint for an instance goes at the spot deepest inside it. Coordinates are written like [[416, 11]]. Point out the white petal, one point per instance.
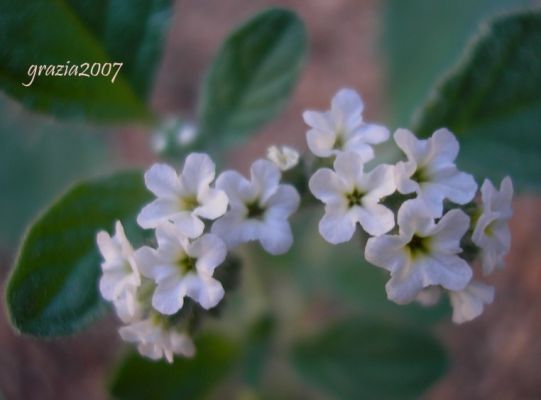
[[337, 226], [210, 252], [449, 231], [414, 149], [374, 134], [429, 296], [107, 246], [234, 229], [182, 344], [151, 265], [109, 283], [265, 177], [459, 187], [284, 202], [414, 218], [402, 174], [238, 189], [386, 252], [198, 172], [150, 350], [347, 104], [321, 143], [275, 236], [188, 224], [168, 296], [375, 219], [158, 210], [213, 203], [449, 271], [379, 182], [207, 292], [356, 144], [443, 147], [163, 181], [327, 186], [469, 303], [349, 166], [318, 120]]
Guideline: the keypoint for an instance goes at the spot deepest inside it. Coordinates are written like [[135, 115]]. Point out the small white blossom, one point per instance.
[[469, 303], [119, 270], [423, 254], [491, 231], [155, 341], [284, 157], [429, 296], [182, 268], [342, 128], [430, 170], [350, 196], [183, 199], [260, 208]]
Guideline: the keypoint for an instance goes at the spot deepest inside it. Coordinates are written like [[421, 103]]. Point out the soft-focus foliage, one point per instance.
[[53, 289], [47, 32]]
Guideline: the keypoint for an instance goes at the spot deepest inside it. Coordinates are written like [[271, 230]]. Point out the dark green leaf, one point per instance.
[[47, 32], [252, 75], [139, 378], [53, 289], [39, 158], [370, 359], [491, 99], [422, 40]]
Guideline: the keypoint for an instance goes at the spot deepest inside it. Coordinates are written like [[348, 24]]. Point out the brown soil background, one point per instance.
[[497, 356]]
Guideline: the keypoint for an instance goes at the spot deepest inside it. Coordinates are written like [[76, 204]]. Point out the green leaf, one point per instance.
[[38, 161], [491, 99], [140, 378], [47, 32], [415, 61], [53, 289], [370, 359], [252, 76]]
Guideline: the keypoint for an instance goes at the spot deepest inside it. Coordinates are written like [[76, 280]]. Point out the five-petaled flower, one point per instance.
[[351, 195], [342, 128], [430, 170], [491, 231], [183, 199], [259, 208], [181, 267], [424, 253], [120, 276], [154, 340]]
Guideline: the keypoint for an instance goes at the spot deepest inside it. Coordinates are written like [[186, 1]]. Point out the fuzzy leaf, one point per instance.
[[53, 288], [252, 75]]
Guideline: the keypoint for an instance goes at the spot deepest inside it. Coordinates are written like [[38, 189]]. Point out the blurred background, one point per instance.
[[392, 52]]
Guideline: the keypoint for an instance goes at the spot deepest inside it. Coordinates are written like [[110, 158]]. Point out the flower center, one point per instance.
[[189, 203], [255, 210], [418, 245], [187, 264], [420, 175], [339, 141], [354, 198], [489, 229]]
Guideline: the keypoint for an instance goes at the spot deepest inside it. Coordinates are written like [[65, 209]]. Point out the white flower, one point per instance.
[[491, 231], [183, 199], [342, 128], [350, 196], [182, 268], [155, 341], [423, 254], [469, 303], [260, 208], [119, 271], [285, 157], [431, 171]]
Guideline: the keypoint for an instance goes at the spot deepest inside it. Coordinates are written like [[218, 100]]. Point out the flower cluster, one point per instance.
[[156, 291], [439, 227]]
